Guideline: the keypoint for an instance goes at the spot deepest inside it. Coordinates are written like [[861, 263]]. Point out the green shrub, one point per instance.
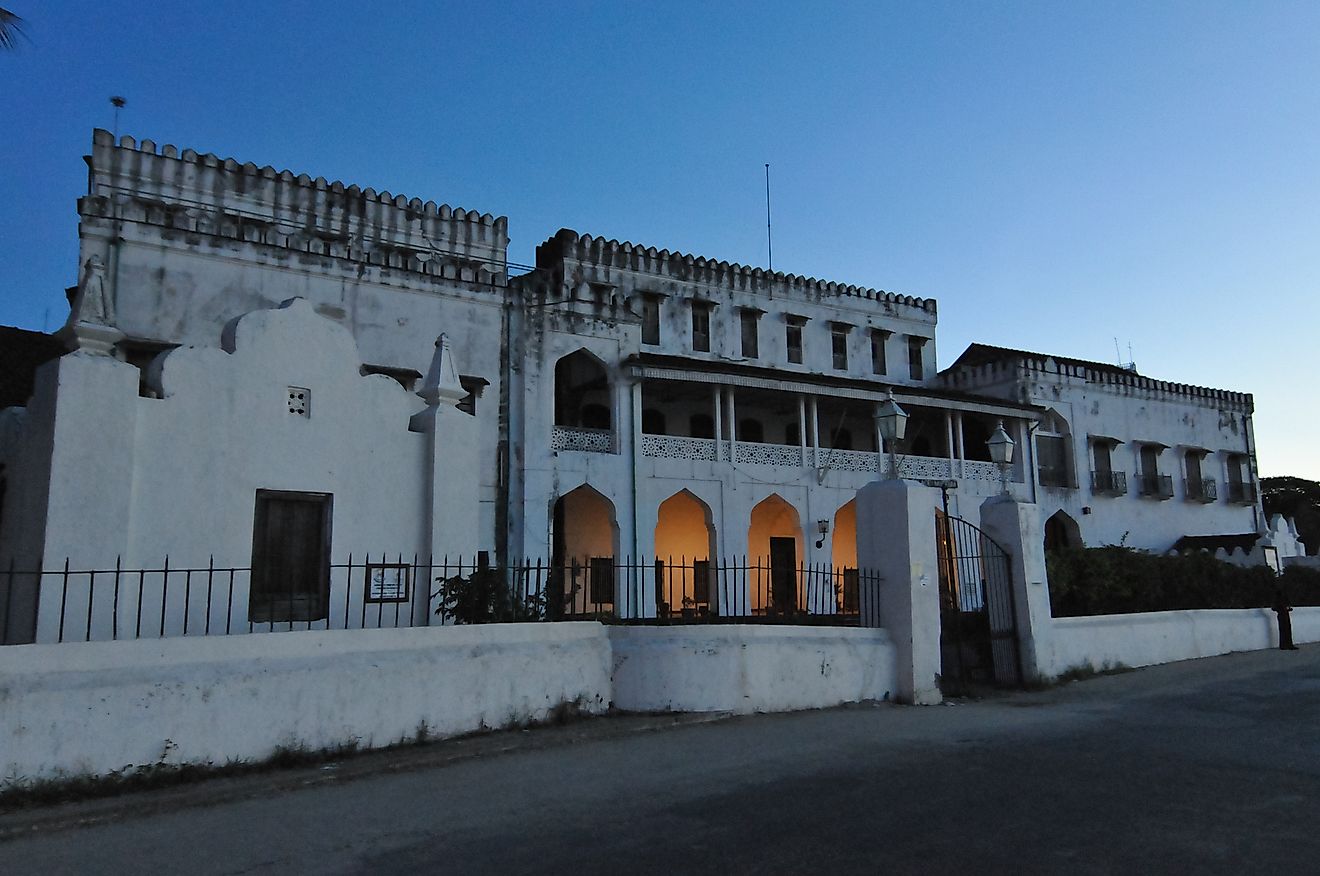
[[485, 597], [1119, 580]]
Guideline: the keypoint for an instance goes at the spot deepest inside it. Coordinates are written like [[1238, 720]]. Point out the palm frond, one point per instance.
[[11, 28]]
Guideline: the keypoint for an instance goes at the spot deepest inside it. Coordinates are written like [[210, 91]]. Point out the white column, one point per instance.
[[815, 432], [962, 450], [1017, 528], [733, 425], [802, 427], [719, 425], [948, 439], [879, 438]]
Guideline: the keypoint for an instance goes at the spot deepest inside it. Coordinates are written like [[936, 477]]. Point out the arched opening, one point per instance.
[[582, 392], [775, 550], [844, 557], [1062, 532], [751, 430], [684, 546], [585, 541], [653, 421]]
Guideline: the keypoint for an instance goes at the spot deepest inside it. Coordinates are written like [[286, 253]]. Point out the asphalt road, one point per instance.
[[1211, 766]]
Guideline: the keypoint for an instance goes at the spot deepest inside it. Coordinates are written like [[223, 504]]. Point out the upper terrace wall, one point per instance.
[[580, 268]]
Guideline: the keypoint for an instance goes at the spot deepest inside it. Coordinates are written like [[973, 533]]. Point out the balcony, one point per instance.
[[1242, 493], [1155, 486], [1109, 483], [585, 440], [1202, 490]]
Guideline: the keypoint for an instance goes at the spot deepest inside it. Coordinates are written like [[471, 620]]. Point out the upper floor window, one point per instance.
[[878, 338], [650, 319], [701, 426], [1151, 481], [916, 367], [700, 327], [653, 421], [839, 346], [793, 339], [749, 321], [750, 430], [1054, 451]]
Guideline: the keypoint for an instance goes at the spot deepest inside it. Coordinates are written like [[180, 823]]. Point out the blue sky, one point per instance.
[[1056, 175]]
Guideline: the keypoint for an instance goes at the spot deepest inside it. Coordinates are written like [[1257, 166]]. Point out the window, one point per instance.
[[1152, 482], [750, 430], [290, 557], [650, 319], [839, 346], [916, 368], [1052, 460], [793, 339], [878, 338], [653, 422], [700, 327], [596, 417], [750, 322], [701, 426], [792, 436]]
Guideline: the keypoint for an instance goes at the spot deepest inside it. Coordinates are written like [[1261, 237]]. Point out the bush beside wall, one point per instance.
[[1117, 580]]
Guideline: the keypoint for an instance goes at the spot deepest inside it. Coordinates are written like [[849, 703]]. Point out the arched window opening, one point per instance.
[[751, 430], [653, 422], [582, 392], [1062, 532], [844, 578]]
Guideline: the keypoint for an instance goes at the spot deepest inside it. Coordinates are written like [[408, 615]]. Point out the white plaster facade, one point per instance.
[[1143, 462], [622, 403]]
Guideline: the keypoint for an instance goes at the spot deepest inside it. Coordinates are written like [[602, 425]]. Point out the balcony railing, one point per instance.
[[768, 454], [1155, 486], [578, 438], [1109, 483], [678, 447], [1242, 493], [1201, 490]]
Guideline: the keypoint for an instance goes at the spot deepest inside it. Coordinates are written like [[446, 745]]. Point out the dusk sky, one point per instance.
[[1056, 175]]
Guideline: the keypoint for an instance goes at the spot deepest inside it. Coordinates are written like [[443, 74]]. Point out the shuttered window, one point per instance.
[[290, 557]]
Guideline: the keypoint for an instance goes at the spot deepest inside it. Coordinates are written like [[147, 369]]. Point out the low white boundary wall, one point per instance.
[[98, 707], [93, 708], [1149, 638], [749, 668]]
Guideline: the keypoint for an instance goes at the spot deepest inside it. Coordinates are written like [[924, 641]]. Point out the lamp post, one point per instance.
[[892, 422], [1001, 453]]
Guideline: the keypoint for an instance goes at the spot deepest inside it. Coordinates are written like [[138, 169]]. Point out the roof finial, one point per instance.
[[442, 383]]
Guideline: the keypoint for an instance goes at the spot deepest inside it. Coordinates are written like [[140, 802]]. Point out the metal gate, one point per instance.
[[978, 617]]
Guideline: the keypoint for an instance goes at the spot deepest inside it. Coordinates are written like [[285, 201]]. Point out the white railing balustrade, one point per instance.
[[769, 454], [678, 447], [848, 460], [577, 438]]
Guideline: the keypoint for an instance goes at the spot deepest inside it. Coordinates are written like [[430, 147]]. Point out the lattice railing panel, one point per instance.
[[678, 447], [587, 440]]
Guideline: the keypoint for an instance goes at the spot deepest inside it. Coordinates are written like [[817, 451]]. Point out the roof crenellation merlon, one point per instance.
[[171, 170], [683, 266]]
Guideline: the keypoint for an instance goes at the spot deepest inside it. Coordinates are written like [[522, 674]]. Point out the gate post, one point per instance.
[[1017, 528], [896, 543]]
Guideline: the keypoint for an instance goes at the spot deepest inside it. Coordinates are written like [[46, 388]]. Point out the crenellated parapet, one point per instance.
[[1048, 369], [137, 181], [683, 267]]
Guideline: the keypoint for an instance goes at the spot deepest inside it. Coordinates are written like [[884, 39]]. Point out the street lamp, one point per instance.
[[1001, 453], [892, 422]]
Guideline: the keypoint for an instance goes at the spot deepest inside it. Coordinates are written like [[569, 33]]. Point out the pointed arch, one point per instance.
[[844, 544], [775, 551], [684, 547], [583, 396], [1062, 532], [585, 539]]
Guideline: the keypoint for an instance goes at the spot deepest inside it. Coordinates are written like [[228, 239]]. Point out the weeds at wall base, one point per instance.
[[19, 793]]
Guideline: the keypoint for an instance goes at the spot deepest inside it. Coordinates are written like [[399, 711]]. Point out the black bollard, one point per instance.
[[1284, 612]]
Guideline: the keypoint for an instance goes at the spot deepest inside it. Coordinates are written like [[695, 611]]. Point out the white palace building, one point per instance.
[[256, 372]]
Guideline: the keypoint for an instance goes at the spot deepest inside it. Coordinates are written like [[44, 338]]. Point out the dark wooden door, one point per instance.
[[290, 557], [783, 575]]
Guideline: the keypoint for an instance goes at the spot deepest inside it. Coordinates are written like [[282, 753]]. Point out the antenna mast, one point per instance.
[[118, 103], [769, 243]]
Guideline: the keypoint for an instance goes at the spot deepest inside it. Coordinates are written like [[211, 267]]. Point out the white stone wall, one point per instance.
[[1150, 638], [93, 708], [748, 668], [136, 479]]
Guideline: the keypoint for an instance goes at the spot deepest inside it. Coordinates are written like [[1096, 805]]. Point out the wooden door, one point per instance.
[[783, 575]]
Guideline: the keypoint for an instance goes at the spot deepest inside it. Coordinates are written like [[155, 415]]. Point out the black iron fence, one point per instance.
[[80, 604]]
